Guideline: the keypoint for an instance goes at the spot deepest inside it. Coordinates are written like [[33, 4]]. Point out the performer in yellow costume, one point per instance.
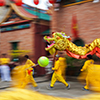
[[18, 74], [4, 68], [63, 66], [57, 75], [28, 73], [87, 68]]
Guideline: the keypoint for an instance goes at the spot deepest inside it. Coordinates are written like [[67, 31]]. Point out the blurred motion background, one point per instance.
[[24, 23]]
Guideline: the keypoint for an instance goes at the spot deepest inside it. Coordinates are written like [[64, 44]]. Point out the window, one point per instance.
[[14, 45]]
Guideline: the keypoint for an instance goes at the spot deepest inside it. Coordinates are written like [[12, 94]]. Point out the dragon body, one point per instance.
[[60, 41]]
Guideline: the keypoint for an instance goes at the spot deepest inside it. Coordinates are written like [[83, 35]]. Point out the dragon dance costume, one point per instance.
[[87, 68], [29, 74], [23, 74], [63, 65], [57, 75]]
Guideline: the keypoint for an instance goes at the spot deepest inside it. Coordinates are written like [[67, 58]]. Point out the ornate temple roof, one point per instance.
[[26, 12], [4, 13]]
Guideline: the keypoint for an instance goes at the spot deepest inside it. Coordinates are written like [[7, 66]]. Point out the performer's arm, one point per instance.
[[34, 65], [85, 66], [31, 63]]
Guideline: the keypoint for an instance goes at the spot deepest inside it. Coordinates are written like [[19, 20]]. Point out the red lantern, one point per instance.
[[52, 1], [36, 2], [2, 2], [18, 2]]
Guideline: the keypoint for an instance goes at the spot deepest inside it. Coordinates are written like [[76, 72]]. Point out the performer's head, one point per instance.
[[57, 57], [89, 56], [26, 56], [61, 54]]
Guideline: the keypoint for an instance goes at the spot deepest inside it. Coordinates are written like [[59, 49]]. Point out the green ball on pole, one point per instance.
[[43, 61]]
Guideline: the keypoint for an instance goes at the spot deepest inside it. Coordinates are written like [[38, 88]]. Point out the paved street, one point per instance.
[[59, 89]]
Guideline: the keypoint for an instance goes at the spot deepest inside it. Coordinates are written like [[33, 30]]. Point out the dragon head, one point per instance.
[[58, 41]]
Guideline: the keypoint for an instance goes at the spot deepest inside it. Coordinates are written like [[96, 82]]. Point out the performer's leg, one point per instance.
[[87, 84], [61, 79], [25, 82], [33, 81], [53, 80]]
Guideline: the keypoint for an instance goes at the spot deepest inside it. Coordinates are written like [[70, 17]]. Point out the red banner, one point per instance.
[[74, 27]]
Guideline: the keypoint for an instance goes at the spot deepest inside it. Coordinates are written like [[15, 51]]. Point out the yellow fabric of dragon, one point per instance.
[[60, 41]]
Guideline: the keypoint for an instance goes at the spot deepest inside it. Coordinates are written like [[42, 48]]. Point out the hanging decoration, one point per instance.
[[36, 2], [52, 1], [2, 2], [18, 2]]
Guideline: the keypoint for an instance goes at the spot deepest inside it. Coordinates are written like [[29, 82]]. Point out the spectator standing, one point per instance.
[[4, 68]]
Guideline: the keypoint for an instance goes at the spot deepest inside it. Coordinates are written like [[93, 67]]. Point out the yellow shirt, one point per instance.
[[57, 68], [4, 61], [62, 61], [29, 63], [87, 64]]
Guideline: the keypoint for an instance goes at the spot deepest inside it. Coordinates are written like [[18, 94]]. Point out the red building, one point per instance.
[[87, 14]]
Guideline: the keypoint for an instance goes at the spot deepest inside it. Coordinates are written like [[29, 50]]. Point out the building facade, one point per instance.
[[87, 13], [22, 30]]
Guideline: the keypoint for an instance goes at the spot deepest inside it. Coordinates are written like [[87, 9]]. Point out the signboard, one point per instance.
[[15, 27], [16, 53]]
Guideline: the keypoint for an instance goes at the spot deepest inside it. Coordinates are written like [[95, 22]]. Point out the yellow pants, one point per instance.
[[27, 79], [87, 83], [56, 77]]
